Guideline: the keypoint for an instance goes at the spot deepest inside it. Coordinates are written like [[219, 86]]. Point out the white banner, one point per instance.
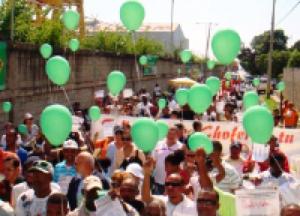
[[257, 202], [225, 132]]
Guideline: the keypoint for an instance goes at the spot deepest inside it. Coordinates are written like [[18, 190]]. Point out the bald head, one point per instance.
[[85, 163], [290, 210]]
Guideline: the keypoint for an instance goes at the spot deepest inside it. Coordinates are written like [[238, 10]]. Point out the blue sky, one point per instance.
[[248, 17]]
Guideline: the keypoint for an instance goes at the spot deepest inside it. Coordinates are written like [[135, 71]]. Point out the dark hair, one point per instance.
[[212, 191], [57, 199], [175, 113], [179, 126], [217, 146], [197, 125], [175, 158], [15, 161]]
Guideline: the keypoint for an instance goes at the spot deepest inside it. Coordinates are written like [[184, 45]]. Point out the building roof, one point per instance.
[[117, 27]]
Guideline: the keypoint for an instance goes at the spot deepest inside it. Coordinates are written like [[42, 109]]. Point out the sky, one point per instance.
[[247, 17]]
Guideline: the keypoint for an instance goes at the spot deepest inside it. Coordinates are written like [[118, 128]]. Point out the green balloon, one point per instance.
[[256, 82], [116, 81], [211, 64], [199, 98], [163, 129], [226, 45], [56, 124], [58, 70], [186, 56], [181, 96], [132, 14], [280, 86], [162, 103], [71, 19], [228, 75], [250, 99], [6, 106], [46, 50], [143, 60], [214, 84], [145, 134], [94, 113], [22, 129], [200, 140], [74, 44], [258, 123]]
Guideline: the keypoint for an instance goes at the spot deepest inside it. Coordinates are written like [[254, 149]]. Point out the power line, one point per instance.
[[288, 13]]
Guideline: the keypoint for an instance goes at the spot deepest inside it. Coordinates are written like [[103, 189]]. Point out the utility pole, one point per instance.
[[210, 25], [271, 51], [172, 26]]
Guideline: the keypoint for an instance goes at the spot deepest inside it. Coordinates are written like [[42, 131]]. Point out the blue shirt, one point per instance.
[[111, 150], [61, 169]]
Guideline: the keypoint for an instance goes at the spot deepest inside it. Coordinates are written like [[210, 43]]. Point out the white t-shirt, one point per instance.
[[173, 105], [185, 208], [159, 154], [20, 188], [269, 180], [231, 180], [142, 108], [290, 193], [3, 141], [237, 164], [30, 205]]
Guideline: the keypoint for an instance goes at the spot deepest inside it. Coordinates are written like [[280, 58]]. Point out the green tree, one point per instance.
[[294, 60], [280, 59], [296, 45], [261, 43], [247, 59]]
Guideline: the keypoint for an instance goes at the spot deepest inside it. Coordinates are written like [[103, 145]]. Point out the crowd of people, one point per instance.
[[226, 106], [112, 176]]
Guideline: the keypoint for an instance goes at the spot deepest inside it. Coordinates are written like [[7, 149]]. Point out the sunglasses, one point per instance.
[[115, 184], [206, 202], [173, 184]]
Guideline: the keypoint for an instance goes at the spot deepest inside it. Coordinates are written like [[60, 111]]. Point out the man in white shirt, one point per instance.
[[177, 204], [275, 176], [235, 159], [20, 188], [143, 107], [223, 174], [162, 150], [34, 201]]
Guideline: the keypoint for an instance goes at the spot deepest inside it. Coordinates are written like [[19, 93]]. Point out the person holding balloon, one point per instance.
[[162, 150]]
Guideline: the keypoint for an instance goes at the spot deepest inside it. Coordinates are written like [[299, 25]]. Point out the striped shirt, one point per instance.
[[63, 175]]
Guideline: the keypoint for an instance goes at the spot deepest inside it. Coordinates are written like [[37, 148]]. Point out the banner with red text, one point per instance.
[[225, 132]]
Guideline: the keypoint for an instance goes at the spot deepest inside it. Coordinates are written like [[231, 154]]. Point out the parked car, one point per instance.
[[262, 88]]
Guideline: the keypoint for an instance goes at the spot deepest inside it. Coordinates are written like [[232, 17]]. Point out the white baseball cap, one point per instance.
[[136, 170], [28, 116], [91, 182], [70, 144]]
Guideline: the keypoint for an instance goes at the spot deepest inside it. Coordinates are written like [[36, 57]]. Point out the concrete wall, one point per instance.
[[29, 89], [291, 77]]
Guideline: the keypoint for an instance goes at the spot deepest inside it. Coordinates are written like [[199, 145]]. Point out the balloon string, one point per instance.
[[135, 56], [68, 99]]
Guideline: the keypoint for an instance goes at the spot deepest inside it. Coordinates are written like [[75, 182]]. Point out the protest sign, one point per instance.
[[107, 207], [264, 202]]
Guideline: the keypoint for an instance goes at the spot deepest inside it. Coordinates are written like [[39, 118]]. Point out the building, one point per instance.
[[155, 31]]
